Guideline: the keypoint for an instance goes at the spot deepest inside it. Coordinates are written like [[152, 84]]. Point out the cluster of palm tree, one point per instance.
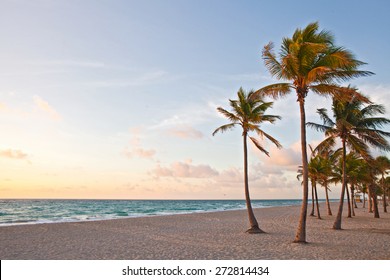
[[310, 62]]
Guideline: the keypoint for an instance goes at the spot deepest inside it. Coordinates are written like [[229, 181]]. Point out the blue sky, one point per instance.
[[117, 99]]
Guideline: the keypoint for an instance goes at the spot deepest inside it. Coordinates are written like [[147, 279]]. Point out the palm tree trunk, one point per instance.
[[384, 194], [374, 201], [337, 222], [327, 199], [312, 199], [349, 203], [364, 200], [318, 207], [254, 226], [300, 236], [353, 203], [369, 198]]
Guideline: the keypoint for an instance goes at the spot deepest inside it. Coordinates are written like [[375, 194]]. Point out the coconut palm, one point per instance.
[[318, 167], [249, 112], [354, 174], [356, 127], [382, 164], [368, 177], [309, 61], [330, 159]]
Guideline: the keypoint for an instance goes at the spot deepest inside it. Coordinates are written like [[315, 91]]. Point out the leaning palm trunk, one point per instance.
[[327, 199], [337, 223], [300, 237], [353, 203], [254, 226], [316, 196], [349, 203], [312, 199]]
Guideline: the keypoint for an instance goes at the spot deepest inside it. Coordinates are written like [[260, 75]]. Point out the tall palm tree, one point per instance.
[[382, 164], [356, 127], [309, 61], [249, 112]]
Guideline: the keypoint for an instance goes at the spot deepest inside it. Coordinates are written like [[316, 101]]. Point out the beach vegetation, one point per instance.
[[310, 61], [248, 112], [357, 127]]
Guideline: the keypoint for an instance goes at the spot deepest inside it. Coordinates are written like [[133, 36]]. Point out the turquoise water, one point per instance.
[[33, 211]]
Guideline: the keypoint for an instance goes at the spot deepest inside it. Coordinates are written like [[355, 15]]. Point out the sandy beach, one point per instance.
[[219, 235]]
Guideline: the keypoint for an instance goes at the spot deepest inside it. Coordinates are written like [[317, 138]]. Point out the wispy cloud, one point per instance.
[[135, 148], [185, 132], [13, 154], [135, 79], [139, 152], [186, 169], [69, 63], [45, 107]]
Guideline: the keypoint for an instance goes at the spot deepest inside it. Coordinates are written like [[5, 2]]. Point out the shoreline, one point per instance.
[[136, 217], [74, 220], [206, 235]]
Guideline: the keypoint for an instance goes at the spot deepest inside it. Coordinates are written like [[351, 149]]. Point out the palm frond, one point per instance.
[[224, 128], [318, 127], [275, 90], [271, 62], [262, 133], [229, 115], [259, 146]]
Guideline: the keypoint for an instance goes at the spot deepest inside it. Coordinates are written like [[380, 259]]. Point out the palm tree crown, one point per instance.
[[249, 112], [354, 125], [311, 61]]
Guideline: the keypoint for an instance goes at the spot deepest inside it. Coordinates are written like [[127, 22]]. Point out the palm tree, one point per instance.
[[382, 164], [249, 112], [309, 61], [330, 159], [355, 127], [318, 167]]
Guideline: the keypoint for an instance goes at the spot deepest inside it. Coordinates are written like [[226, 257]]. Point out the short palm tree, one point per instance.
[[249, 112], [310, 61], [330, 159], [382, 164], [356, 127], [355, 175], [317, 168]]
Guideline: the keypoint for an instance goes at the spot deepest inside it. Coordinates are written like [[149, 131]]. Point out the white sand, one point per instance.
[[218, 235]]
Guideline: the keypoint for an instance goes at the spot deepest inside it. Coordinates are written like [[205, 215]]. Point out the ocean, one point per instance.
[[37, 211]]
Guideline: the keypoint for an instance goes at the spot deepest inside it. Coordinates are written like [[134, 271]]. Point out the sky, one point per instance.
[[117, 99]]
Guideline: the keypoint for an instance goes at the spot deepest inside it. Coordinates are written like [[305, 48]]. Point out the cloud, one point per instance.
[[13, 154], [3, 106], [143, 79], [193, 114], [44, 106], [185, 132], [185, 170], [285, 157], [136, 149], [139, 152]]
